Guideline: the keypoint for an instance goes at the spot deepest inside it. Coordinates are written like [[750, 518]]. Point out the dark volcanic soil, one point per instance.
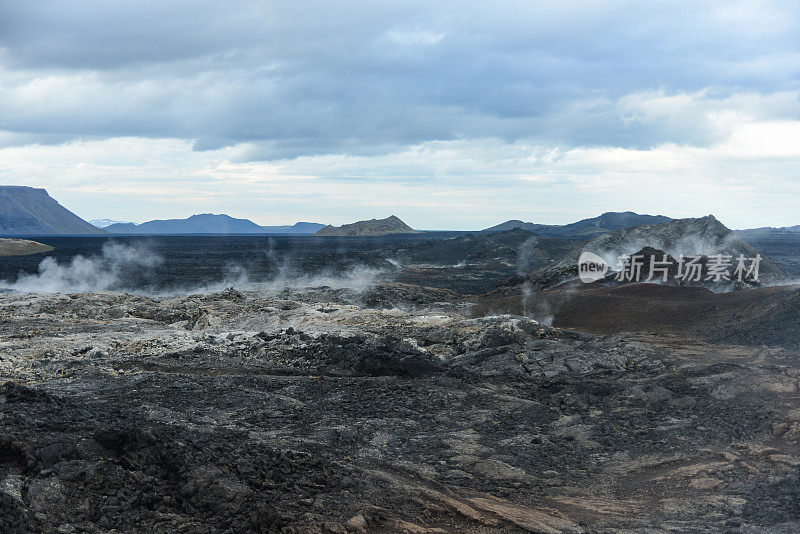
[[335, 411], [763, 316]]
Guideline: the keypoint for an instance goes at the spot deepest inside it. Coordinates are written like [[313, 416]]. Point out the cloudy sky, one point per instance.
[[454, 115]]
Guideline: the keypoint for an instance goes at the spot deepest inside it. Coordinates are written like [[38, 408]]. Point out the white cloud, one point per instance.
[[299, 80], [466, 184], [414, 37], [459, 114]]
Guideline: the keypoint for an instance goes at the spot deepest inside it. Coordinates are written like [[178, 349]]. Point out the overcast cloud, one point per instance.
[[451, 114]]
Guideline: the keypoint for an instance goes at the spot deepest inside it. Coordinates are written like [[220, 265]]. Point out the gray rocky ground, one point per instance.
[[323, 410]]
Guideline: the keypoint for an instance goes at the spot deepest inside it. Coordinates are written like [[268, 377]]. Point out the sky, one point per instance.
[[450, 114]]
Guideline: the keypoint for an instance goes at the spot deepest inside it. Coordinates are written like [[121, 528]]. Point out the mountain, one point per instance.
[[208, 223], [299, 228], [704, 236], [769, 231], [205, 223], [517, 224], [585, 228], [102, 223], [610, 221], [390, 225], [31, 211], [122, 228]]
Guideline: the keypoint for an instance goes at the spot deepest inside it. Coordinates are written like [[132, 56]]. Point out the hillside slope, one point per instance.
[[31, 211]]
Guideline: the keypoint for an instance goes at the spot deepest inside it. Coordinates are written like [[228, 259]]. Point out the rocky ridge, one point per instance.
[[372, 227]]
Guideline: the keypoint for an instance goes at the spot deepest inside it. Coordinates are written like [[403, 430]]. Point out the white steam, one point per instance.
[[128, 268], [536, 306], [525, 255], [84, 274], [356, 279], [689, 244], [396, 263]]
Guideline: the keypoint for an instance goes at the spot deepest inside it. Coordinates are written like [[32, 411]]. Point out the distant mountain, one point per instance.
[[611, 221], [31, 211], [300, 228], [769, 231], [372, 227], [516, 224], [208, 223], [586, 228], [102, 223], [122, 228]]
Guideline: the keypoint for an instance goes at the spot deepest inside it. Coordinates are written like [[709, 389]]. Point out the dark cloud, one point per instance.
[[302, 78]]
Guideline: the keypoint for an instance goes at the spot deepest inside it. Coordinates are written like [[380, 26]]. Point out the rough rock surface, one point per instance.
[[309, 411]]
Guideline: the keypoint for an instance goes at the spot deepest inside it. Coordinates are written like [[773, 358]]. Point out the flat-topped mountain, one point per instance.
[[31, 211], [594, 226], [208, 223], [205, 223], [390, 225]]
